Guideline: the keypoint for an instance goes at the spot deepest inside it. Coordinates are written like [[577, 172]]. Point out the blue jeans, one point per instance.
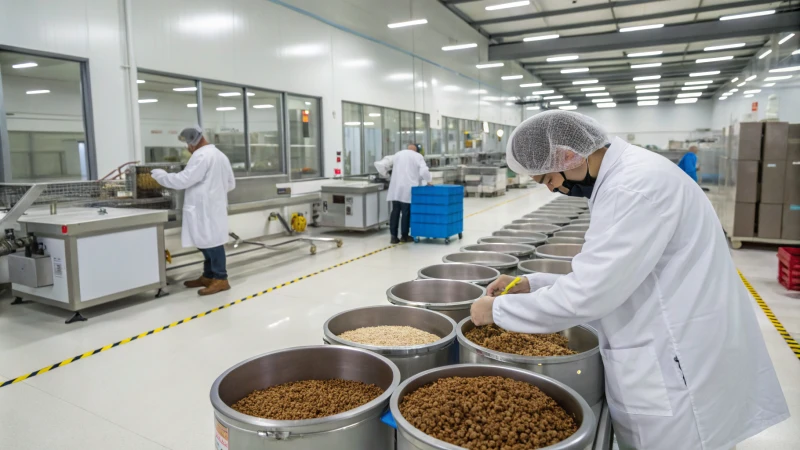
[[214, 265], [394, 220]]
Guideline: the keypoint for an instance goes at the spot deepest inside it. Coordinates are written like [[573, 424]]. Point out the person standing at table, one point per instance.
[[408, 170]]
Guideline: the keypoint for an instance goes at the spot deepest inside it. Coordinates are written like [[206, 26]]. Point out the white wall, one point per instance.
[[737, 108]]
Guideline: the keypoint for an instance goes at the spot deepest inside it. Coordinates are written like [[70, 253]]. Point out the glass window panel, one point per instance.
[[223, 122], [166, 106], [421, 127], [391, 125], [352, 138], [44, 117], [304, 137], [264, 124], [372, 137], [436, 141], [406, 129], [453, 136]]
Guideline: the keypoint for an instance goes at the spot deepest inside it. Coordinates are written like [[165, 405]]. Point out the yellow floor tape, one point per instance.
[[793, 345]]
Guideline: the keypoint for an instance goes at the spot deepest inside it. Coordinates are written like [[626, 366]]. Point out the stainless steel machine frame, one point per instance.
[[359, 206]]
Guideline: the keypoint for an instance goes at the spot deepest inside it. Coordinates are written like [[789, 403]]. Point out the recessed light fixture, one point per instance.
[[789, 36], [26, 65], [585, 82], [647, 97], [267, 106], [746, 15], [562, 58], [449, 48], [369, 123], [507, 5], [649, 77], [229, 94], [597, 94], [561, 102], [642, 54], [606, 105], [723, 47], [765, 54], [648, 103], [374, 114], [184, 89], [479, 91], [530, 85], [568, 107], [533, 108], [541, 38], [648, 86], [685, 100], [751, 78], [748, 96], [692, 83], [511, 77], [352, 124], [542, 92], [148, 100], [602, 100], [489, 65], [644, 66], [226, 108], [786, 69], [723, 98], [752, 91], [694, 88], [596, 88], [768, 85], [690, 94], [641, 27], [708, 60], [741, 84], [408, 23], [796, 52], [704, 74], [253, 94], [451, 88], [735, 80], [782, 77], [553, 97], [733, 90], [191, 105], [647, 91], [308, 103], [578, 70], [139, 81], [36, 92]]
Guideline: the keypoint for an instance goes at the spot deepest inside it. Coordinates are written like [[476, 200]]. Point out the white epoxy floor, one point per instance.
[[153, 393]]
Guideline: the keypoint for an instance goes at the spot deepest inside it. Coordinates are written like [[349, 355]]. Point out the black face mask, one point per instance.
[[581, 188]]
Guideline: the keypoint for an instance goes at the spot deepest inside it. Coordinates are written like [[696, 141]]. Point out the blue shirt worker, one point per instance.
[[689, 162]]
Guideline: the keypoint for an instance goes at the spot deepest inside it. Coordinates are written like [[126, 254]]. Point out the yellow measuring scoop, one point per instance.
[[510, 286]]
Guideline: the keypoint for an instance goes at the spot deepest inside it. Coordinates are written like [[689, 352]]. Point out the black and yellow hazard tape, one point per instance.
[[793, 345], [69, 361]]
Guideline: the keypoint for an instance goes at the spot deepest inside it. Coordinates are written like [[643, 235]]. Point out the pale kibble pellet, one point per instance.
[[389, 336]]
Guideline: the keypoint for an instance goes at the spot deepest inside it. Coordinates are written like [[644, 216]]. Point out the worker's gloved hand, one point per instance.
[[158, 173], [481, 311], [499, 285]]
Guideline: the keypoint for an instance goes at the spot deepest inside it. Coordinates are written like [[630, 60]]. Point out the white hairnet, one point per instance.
[[549, 141], [191, 135]]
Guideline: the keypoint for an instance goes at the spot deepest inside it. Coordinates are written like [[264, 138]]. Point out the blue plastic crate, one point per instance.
[[451, 208], [449, 190], [438, 218], [437, 231]]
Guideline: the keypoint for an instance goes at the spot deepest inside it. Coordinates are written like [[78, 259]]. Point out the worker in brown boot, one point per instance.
[[207, 179]]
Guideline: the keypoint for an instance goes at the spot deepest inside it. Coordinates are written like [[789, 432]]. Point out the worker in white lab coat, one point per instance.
[[686, 366], [207, 179], [408, 170]]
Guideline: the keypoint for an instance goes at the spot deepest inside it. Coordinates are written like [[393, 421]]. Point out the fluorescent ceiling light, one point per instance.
[[647, 97], [585, 82], [561, 102], [590, 89], [226, 108], [140, 81], [751, 78], [765, 54], [267, 106], [148, 100], [508, 5], [647, 91], [752, 91], [451, 88], [746, 15], [369, 123], [374, 114], [641, 27], [741, 84], [229, 94], [26, 65], [690, 94], [553, 97], [185, 89], [448, 48], [648, 103], [308, 103], [478, 91], [723, 98], [768, 85], [786, 69], [563, 58], [568, 107], [693, 83], [723, 47], [782, 77], [644, 66], [40, 91], [603, 100], [542, 92], [530, 85], [648, 86], [735, 80], [597, 94], [791, 35], [352, 124], [641, 54], [606, 105], [650, 77], [541, 38], [191, 105], [694, 88], [489, 65], [733, 90], [704, 74], [252, 94], [708, 60], [407, 24], [533, 108], [748, 96], [578, 70], [796, 52], [685, 100], [511, 77]]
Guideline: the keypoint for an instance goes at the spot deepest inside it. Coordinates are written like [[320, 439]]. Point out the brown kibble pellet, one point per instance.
[[309, 399], [498, 339], [390, 336], [535, 413]]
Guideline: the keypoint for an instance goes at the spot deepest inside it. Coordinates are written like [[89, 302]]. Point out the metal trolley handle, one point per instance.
[[287, 435]]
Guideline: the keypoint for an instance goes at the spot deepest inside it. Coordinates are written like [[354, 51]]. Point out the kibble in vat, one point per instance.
[[390, 336], [498, 339]]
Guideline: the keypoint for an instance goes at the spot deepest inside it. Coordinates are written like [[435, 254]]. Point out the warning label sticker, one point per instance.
[[58, 267], [220, 435]]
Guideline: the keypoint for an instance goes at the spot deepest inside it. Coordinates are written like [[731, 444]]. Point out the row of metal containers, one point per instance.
[[438, 302]]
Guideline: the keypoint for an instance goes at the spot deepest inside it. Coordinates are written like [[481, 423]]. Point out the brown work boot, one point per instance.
[[200, 282], [214, 287]]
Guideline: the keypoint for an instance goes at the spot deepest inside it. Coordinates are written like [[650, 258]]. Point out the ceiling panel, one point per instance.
[[529, 24], [477, 11], [590, 16]]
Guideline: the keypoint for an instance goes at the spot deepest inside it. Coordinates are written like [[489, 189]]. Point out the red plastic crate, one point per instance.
[[790, 257], [789, 267]]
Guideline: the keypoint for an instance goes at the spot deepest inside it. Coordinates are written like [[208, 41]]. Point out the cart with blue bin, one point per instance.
[[437, 212]]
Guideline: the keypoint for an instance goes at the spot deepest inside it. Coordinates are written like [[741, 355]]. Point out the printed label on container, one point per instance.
[[58, 267], [220, 435]]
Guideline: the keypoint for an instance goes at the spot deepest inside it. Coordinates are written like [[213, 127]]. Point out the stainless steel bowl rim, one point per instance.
[[522, 359], [521, 227], [542, 219], [434, 306], [575, 228], [522, 249], [547, 216], [290, 425], [521, 266], [564, 240], [494, 266], [481, 281], [520, 239], [409, 350], [587, 425]]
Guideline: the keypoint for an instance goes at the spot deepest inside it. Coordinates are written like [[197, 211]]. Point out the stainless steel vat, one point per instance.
[[565, 240], [521, 251], [410, 438], [449, 297], [533, 227], [537, 218], [535, 239], [545, 266], [583, 228], [581, 221], [564, 252], [518, 233], [569, 213], [573, 201], [573, 234], [504, 263], [359, 428], [410, 360], [472, 273], [582, 371]]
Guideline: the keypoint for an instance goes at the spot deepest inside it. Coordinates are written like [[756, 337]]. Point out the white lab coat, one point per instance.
[[685, 362], [384, 166], [207, 179], [408, 170]]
